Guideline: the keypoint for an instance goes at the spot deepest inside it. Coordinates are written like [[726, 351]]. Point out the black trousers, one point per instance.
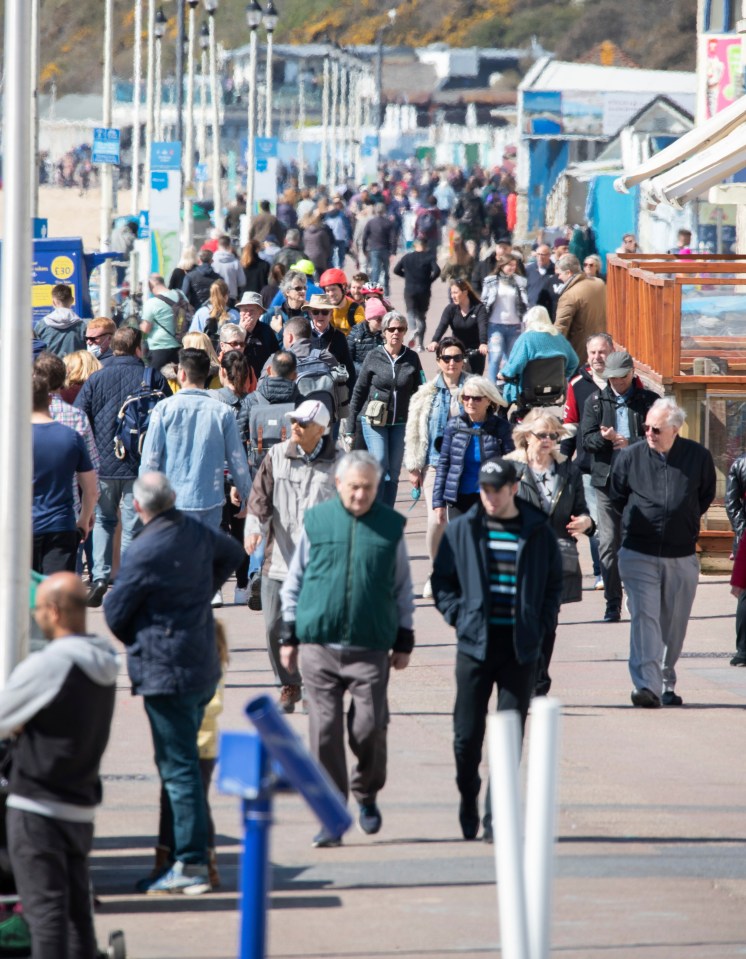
[[741, 626], [55, 552], [474, 683], [231, 524], [417, 305], [50, 865]]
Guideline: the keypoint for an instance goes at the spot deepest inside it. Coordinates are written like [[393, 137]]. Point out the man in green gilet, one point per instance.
[[347, 600]]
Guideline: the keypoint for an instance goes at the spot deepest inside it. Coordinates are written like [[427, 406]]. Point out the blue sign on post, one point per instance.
[[143, 225], [105, 145], [39, 228], [370, 145], [165, 156], [201, 173]]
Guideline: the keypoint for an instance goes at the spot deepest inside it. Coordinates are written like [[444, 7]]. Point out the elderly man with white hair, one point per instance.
[[662, 487]]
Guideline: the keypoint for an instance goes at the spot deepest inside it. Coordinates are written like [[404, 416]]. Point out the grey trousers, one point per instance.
[[660, 594], [272, 610], [327, 674], [609, 539]]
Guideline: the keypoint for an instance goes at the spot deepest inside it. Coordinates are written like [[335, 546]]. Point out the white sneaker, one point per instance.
[[217, 600], [240, 596], [599, 584], [427, 590]]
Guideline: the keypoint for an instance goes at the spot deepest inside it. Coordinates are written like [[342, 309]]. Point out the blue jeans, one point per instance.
[[174, 724], [501, 337], [378, 269], [256, 560], [115, 493], [386, 443], [339, 253], [212, 517]]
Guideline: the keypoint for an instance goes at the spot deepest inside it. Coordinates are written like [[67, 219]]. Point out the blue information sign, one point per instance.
[[105, 145], [166, 156]]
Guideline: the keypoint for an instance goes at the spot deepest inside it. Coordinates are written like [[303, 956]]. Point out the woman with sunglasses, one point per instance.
[[467, 319], [432, 406], [553, 484], [470, 439], [390, 376]]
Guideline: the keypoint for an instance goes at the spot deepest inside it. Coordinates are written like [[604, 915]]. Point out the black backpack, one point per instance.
[[133, 418], [182, 311], [316, 380]]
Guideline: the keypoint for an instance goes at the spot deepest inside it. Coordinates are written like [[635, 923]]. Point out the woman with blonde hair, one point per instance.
[[470, 439], [210, 317], [196, 341], [78, 367], [540, 340], [187, 262], [553, 484]]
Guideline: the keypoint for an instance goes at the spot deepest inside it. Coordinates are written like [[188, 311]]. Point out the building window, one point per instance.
[[721, 16]]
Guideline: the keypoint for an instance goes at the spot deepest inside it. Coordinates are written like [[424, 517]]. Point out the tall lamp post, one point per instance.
[[188, 225], [204, 44], [379, 66], [270, 22], [159, 29], [211, 7], [149, 100], [107, 169], [137, 77], [324, 165], [301, 128], [253, 19]]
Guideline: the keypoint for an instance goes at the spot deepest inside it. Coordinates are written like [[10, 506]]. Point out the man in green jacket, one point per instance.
[[347, 600]]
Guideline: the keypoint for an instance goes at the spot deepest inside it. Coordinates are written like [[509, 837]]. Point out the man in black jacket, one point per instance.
[[197, 282], [612, 420], [378, 243], [420, 271], [261, 340], [537, 273], [59, 702], [160, 610], [663, 486], [499, 628]]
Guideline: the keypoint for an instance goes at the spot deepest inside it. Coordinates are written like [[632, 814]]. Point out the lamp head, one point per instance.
[[253, 14], [159, 27], [271, 17], [204, 36], [211, 6]]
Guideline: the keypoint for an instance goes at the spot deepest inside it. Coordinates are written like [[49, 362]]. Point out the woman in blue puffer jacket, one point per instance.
[[470, 439]]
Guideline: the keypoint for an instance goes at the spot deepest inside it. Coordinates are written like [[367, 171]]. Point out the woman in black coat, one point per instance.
[[255, 269], [553, 484], [472, 438], [467, 318]]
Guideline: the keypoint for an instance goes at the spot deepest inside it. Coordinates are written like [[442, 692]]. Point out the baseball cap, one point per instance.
[[618, 364], [250, 299], [311, 411], [497, 472]]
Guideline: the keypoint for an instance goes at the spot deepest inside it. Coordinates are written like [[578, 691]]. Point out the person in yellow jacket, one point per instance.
[[347, 313]]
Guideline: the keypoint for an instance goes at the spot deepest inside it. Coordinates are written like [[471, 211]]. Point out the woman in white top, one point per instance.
[[504, 298]]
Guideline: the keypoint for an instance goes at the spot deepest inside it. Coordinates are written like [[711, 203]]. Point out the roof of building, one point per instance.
[[558, 75]]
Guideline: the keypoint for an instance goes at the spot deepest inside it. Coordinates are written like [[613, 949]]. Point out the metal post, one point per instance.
[[137, 71], [301, 128], [107, 169], [15, 376], [504, 759], [358, 131], [149, 100], [379, 81], [250, 159], [255, 880], [202, 137], [541, 805], [180, 70], [215, 103], [324, 165], [158, 90], [34, 108], [188, 224], [333, 124], [268, 113]]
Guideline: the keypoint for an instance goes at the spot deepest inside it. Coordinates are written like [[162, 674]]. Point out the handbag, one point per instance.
[[572, 577], [377, 410]]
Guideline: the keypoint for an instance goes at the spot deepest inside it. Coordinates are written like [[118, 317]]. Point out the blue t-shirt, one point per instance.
[[59, 453], [472, 463]]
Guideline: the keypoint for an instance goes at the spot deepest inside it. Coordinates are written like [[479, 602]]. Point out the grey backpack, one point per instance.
[[268, 425]]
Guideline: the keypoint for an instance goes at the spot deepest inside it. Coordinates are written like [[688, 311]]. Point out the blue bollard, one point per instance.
[[255, 879]]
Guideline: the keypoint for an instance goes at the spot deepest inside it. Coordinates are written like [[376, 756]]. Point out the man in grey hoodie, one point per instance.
[[59, 703], [226, 263], [62, 330]]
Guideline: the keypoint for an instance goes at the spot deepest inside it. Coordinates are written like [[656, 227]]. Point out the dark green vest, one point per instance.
[[347, 597]]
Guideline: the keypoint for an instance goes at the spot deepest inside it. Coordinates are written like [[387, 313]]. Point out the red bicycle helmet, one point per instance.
[[333, 277]]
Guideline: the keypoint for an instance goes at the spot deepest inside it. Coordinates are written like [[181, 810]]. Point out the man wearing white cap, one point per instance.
[[294, 476]]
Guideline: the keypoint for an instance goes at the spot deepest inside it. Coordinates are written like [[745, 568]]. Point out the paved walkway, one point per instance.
[[651, 857]]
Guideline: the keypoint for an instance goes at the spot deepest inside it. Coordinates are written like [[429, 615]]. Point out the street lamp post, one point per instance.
[[333, 126], [149, 99], [253, 19], [301, 128], [204, 44], [324, 167], [188, 225], [270, 22], [34, 107], [159, 30], [180, 70], [211, 7], [137, 77], [107, 169]]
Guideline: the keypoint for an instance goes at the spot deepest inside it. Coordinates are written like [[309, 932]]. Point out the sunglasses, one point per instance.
[[589, 263], [546, 436], [397, 329], [298, 289], [235, 344], [95, 339], [655, 430], [474, 399], [319, 312], [452, 358]]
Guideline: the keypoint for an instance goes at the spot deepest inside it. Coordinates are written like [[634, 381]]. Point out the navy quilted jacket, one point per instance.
[[495, 439], [101, 398]]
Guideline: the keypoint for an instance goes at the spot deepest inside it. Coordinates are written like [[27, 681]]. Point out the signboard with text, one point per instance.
[[105, 145], [165, 207]]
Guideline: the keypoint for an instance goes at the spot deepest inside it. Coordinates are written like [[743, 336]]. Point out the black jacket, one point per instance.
[[379, 233], [257, 274], [663, 499], [568, 500], [482, 269], [535, 282], [197, 283], [735, 496], [361, 341], [460, 582], [419, 270], [470, 329], [600, 410], [335, 341], [495, 439], [160, 606], [260, 344], [395, 383], [580, 387]]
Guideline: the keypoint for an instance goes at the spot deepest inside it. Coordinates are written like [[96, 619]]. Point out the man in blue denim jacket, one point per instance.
[[193, 438]]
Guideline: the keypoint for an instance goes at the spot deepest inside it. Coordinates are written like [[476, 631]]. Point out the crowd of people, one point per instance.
[[256, 422]]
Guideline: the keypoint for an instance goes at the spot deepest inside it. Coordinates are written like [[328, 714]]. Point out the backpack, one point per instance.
[[427, 225], [268, 426], [183, 312], [133, 418], [472, 210], [317, 380]]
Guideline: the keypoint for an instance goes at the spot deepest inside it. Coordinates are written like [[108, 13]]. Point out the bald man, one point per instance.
[[59, 703]]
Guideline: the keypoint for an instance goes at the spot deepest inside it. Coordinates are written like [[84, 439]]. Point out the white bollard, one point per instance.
[[504, 751], [541, 805]]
